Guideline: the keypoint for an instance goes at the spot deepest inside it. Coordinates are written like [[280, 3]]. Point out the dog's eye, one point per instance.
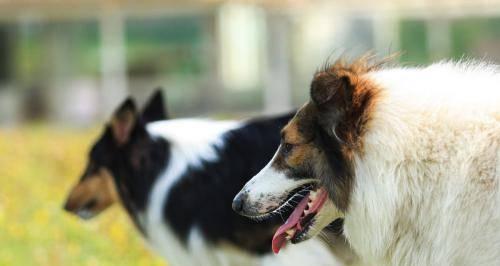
[[286, 148]]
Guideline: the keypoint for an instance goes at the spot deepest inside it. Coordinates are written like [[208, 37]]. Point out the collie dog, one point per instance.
[[408, 157], [176, 179]]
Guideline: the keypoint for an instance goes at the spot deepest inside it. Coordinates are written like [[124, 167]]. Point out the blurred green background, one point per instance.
[[64, 66]]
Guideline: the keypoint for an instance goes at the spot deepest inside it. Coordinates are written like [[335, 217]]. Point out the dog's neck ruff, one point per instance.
[[427, 184]]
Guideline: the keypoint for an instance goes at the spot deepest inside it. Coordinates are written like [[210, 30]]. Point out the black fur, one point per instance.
[[338, 176], [203, 196], [134, 166], [155, 109]]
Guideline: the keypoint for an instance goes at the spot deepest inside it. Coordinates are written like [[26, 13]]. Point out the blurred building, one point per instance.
[[72, 61]]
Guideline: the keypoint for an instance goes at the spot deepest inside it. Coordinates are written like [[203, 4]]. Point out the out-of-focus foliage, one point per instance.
[[414, 42], [470, 37], [166, 46], [473, 36], [38, 165]]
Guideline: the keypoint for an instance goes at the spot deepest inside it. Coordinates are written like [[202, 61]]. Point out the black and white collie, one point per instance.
[[177, 178], [409, 157]]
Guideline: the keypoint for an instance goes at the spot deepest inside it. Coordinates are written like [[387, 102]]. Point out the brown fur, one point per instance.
[[342, 91], [98, 187], [122, 123]]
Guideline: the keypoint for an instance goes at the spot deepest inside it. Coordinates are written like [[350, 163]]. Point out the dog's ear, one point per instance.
[[332, 95], [155, 110], [123, 121]]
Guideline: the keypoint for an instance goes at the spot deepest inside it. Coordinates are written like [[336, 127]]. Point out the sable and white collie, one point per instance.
[[408, 157], [177, 178]]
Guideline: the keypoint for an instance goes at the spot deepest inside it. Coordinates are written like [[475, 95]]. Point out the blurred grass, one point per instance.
[[38, 165]]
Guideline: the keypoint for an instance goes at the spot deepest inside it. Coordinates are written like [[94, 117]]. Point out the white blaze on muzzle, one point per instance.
[[266, 191]]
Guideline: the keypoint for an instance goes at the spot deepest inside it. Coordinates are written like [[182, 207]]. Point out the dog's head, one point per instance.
[[312, 171], [96, 190], [93, 193]]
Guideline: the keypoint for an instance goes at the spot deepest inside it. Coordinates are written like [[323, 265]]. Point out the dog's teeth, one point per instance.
[[309, 205], [290, 233], [305, 213]]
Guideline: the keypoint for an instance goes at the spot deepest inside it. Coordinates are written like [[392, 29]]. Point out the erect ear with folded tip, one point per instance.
[[123, 122], [155, 110], [332, 95]]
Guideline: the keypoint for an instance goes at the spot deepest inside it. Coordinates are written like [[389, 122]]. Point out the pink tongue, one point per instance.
[[279, 238]]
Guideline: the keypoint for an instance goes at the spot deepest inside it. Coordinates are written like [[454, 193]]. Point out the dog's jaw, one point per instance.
[[312, 210], [313, 213], [325, 216]]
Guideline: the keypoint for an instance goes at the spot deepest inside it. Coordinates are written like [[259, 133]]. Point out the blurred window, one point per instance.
[[165, 46], [51, 50]]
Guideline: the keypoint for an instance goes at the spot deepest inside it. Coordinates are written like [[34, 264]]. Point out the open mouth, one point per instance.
[[302, 218], [85, 214]]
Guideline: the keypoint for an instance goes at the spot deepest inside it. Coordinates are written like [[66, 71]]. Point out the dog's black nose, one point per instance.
[[239, 202]]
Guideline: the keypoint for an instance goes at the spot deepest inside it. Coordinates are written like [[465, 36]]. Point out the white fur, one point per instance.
[[193, 140], [427, 184], [269, 181]]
